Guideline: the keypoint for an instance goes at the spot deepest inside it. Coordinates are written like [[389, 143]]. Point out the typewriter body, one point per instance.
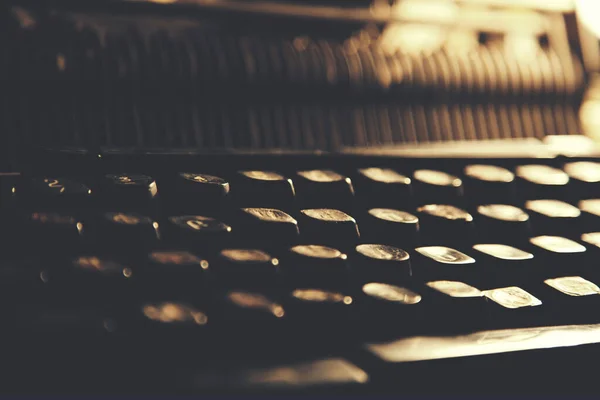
[[274, 197]]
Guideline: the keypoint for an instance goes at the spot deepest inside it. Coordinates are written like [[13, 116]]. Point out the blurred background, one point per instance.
[[296, 75]]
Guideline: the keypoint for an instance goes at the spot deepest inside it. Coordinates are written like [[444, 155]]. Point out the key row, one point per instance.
[[176, 272], [432, 224], [376, 311], [375, 186]]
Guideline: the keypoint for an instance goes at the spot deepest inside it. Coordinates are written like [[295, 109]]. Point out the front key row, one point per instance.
[[379, 311]]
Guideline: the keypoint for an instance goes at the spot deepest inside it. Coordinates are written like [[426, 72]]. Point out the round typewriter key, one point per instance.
[[247, 269], [174, 274], [454, 306], [390, 226], [255, 302], [390, 309], [504, 265], [316, 266], [328, 226], [444, 263], [318, 252], [196, 193], [585, 176], [127, 230], [192, 230], [542, 175], [432, 186], [175, 321], [573, 286], [255, 188], [489, 173], [326, 308], [53, 193], [381, 263], [386, 294], [542, 182], [503, 212], [170, 313], [445, 224], [590, 214], [324, 188], [205, 184], [52, 231], [383, 187], [455, 289], [98, 266], [591, 238], [91, 277], [572, 299], [553, 217], [251, 314], [489, 183], [557, 245], [129, 190], [512, 297], [513, 307], [558, 256], [268, 225], [585, 171], [503, 223]]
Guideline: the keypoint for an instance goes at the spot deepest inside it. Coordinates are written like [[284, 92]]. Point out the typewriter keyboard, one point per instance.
[[286, 271]]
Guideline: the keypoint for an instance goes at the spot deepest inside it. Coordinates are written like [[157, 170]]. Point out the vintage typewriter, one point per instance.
[[203, 197]]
